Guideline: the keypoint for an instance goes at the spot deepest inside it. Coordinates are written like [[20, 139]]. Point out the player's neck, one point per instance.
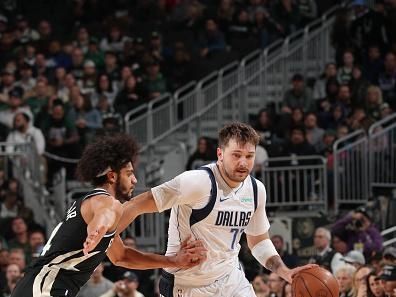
[[109, 188]]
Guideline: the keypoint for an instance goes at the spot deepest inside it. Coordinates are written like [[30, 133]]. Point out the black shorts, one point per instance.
[[24, 287]]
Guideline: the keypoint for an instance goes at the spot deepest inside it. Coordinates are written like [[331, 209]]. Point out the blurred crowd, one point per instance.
[[71, 70]]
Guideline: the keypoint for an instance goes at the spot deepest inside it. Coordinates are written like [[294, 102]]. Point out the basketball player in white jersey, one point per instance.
[[215, 204]]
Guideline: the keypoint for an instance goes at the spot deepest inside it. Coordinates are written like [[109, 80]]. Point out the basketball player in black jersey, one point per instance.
[[65, 264]]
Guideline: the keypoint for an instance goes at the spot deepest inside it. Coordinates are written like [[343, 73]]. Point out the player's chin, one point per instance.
[[240, 176]]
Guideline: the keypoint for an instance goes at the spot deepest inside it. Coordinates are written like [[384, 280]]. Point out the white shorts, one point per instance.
[[234, 284]]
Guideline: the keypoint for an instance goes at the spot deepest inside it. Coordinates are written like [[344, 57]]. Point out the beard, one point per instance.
[[235, 175], [121, 193]]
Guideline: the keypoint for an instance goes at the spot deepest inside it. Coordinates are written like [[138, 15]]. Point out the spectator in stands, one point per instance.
[[344, 276], [372, 65], [17, 256], [260, 285], [36, 243], [178, 71], [77, 67], [298, 144], [319, 91], [265, 27], [82, 39], [15, 106], [385, 110], [27, 82], [88, 81], [96, 285], [289, 259], [24, 32], [287, 13], [40, 67], [156, 47], [289, 122], [225, 13], [298, 96], [361, 232], [20, 235], [387, 80], [6, 85], [94, 54], [373, 285], [10, 206], [154, 82], [260, 159], [114, 41], [389, 255], [359, 86], [359, 281], [359, 119], [276, 285], [264, 127], [4, 261], [13, 274], [204, 154], [212, 40], [308, 11], [46, 35], [129, 97], [325, 256], [388, 278], [325, 146], [354, 258], [61, 137], [373, 102], [313, 133], [104, 87], [240, 34], [111, 66], [87, 119], [39, 97], [127, 287], [23, 131], [344, 73], [342, 131]]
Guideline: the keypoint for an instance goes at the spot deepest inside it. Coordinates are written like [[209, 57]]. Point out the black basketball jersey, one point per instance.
[[62, 268]]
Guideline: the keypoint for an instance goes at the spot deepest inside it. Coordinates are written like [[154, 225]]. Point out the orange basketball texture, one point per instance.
[[315, 282]]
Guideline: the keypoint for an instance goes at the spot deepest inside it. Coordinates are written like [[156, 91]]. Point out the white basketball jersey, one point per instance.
[[206, 207]]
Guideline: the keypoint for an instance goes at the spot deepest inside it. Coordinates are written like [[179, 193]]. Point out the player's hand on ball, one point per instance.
[[191, 253]]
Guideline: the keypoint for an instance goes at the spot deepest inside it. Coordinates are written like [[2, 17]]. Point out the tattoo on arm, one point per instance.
[[274, 263]]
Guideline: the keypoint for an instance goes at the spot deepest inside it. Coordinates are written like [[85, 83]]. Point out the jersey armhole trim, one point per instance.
[[200, 214], [254, 185]]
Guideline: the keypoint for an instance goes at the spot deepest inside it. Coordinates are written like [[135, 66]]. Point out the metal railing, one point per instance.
[[22, 161], [296, 181], [351, 184], [382, 141], [236, 90]]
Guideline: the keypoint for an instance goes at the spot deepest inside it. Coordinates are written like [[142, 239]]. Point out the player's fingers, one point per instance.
[[185, 241], [193, 243], [196, 250]]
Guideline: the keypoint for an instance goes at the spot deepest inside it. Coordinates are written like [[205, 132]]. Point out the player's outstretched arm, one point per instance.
[[103, 218], [143, 203], [264, 251], [192, 253]]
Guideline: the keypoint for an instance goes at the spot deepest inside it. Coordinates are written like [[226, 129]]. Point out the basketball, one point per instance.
[[315, 282]]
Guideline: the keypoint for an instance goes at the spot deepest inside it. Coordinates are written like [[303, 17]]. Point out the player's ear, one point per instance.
[[219, 154], [111, 177]]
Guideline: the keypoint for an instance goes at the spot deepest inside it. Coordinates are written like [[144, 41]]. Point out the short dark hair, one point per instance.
[[241, 132], [108, 151]]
